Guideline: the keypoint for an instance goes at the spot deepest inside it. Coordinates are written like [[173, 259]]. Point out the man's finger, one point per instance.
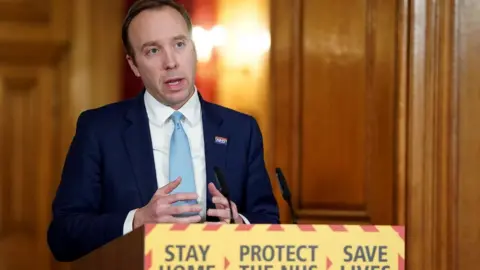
[[213, 190], [181, 197], [165, 190], [175, 210], [191, 219], [216, 193], [220, 213], [220, 200]]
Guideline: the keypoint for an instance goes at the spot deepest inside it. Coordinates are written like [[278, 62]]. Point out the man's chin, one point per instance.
[[176, 100]]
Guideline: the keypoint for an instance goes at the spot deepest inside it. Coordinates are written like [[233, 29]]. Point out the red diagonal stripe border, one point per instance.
[[338, 228], [275, 228], [369, 228], [148, 261], [179, 227], [400, 230], [212, 227], [401, 263], [149, 228], [306, 228], [244, 227]]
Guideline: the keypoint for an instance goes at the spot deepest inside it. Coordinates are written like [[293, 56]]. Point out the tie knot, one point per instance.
[[176, 117]]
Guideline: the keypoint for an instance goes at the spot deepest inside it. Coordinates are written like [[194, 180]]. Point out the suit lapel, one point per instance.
[[139, 146], [215, 147]]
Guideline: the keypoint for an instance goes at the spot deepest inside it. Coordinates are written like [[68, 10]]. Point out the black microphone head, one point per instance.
[[221, 181], [286, 193], [224, 189], [215, 179], [283, 184]]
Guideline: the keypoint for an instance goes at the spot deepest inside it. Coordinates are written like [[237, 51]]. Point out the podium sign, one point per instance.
[[274, 247]]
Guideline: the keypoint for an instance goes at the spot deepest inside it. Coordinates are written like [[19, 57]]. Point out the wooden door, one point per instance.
[[32, 44], [376, 108], [443, 146], [335, 95], [57, 58]]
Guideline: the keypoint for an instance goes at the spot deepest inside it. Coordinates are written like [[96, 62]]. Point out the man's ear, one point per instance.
[[133, 66]]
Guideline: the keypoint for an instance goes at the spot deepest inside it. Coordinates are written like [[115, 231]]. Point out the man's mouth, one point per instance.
[[173, 82]]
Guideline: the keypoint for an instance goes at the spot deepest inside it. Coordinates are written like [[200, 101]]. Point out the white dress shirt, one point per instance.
[[161, 129]]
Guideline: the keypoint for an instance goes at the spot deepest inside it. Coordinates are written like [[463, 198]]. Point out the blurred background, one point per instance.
[[370, 107]]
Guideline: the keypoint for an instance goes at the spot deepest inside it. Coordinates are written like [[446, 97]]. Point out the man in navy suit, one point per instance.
[[150, 159]]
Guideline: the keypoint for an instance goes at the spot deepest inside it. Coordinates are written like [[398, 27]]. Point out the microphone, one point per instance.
[[224, 190], [287, 196]]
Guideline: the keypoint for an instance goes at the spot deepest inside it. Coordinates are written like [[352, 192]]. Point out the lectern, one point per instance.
[[252, 247], [124, 253]]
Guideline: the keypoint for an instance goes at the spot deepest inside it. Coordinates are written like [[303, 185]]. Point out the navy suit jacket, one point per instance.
[[109, 170]]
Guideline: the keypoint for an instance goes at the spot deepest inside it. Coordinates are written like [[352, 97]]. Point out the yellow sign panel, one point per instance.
[[274, 247]]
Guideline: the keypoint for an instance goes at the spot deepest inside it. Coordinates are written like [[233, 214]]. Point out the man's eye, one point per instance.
[[153, 51], [180, 44]]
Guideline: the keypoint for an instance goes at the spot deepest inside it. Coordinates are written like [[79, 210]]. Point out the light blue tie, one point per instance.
[[180, 163]]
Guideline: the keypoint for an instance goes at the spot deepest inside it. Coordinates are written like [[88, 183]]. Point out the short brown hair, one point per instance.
[[141, 5]]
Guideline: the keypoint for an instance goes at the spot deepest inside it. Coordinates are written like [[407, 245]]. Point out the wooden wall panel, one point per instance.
[[443, 140], [467, 63], [432, 136], [28, 58], [334, 84], [22, 11], [416, 105], [27, 144], [333, 46], [54, 63]]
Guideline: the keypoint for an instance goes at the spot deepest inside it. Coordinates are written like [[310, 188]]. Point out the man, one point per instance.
[[151, 159]]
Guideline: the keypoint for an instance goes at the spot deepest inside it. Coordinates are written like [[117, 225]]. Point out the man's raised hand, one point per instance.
[[161, 210]]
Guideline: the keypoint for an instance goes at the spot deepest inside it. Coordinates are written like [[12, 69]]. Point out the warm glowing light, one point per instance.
[[219, 35], [203, 43], [243, 44], [248, 44]]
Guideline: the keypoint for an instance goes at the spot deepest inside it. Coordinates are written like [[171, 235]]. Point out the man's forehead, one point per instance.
[[162, 25]]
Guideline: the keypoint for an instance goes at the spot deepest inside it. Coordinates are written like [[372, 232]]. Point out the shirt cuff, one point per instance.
[[128, 225], [245, 220]]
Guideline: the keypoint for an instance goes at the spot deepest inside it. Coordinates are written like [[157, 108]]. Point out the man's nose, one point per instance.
[[170, 60]]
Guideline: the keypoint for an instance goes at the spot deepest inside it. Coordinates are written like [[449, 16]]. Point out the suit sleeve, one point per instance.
[[261, 205], [78, 225]]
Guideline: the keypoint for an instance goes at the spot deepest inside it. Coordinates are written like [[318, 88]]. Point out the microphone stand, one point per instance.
[[224, 190], [287, 196]]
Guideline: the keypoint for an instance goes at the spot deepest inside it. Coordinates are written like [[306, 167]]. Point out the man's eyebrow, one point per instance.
[[155, 43], [150, 43], [180, 37]]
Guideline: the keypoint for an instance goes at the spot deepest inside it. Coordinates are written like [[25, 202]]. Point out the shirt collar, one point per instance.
[[159, 113]]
